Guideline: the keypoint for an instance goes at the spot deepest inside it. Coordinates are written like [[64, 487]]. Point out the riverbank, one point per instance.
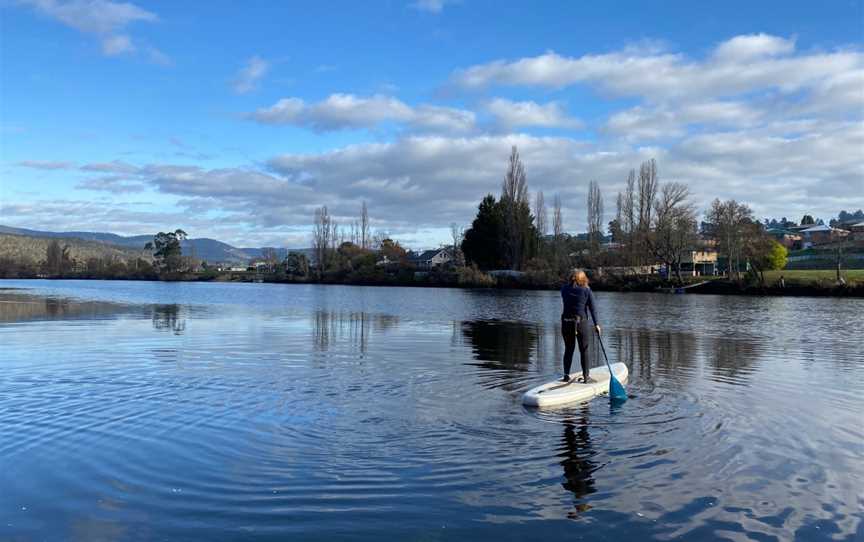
[[797, 283]]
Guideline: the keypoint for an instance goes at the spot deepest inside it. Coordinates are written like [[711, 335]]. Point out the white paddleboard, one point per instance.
[[559, 393]]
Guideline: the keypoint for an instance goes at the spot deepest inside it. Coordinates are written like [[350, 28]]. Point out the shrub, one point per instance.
[[472, 276]]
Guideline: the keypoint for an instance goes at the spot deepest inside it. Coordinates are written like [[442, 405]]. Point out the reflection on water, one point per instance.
[[168, 318], [501, 345], [733, 359], [240, 412], [16, 307], [576, 454], [331, 328]]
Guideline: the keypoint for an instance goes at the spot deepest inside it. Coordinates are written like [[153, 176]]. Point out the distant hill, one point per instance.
[[137, 241], [25, 248], [210, 250]]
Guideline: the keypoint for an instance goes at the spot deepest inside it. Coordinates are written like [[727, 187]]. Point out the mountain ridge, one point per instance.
[[211, 250]]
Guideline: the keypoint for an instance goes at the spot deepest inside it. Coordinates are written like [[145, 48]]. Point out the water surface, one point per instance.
[[138, 411]]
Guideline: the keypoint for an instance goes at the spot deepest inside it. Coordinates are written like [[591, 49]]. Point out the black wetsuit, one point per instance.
[[575, 326]]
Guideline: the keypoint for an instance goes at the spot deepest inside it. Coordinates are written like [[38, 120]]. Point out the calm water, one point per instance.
[[147, 411]]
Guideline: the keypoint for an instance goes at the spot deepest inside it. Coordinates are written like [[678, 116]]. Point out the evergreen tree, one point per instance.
[[482, 244]]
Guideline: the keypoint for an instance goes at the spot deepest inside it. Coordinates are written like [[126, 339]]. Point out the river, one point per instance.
[[186, 411]]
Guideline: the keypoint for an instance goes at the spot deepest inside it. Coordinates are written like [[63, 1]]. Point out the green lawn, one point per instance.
[[806, 276]]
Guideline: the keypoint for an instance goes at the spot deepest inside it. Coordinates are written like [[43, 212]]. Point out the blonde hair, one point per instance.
[[579, 277]]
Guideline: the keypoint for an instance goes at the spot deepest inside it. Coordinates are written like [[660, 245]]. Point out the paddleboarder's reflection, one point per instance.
[[576, 454]]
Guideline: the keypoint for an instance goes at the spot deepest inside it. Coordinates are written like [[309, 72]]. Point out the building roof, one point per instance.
[[819, 227], [428, 254]]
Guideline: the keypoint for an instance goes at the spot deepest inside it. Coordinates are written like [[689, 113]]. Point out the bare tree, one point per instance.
[[335, 236], [728, 225], [674, 228], [354, 236], [365, 234], [541, 217], [322, 230], [377, 239], [515, 185], [647, 193], [557, 222], [456, 235], [595, 216], [557, 230], [271, 257], [516, 210], [628, 211]]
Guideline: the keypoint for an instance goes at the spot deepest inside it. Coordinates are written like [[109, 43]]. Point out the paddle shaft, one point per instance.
[[616, 390], [605, 357]]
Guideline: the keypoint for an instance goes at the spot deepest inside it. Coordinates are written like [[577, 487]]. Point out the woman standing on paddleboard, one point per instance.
[[578, 299]]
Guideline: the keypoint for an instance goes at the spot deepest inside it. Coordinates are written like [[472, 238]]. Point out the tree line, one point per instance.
[[352, 252], [654, 222]]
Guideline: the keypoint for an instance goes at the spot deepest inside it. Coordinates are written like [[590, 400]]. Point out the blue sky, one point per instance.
[[235, 122]]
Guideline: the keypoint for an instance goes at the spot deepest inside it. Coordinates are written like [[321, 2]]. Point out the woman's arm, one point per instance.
[[591, 308]]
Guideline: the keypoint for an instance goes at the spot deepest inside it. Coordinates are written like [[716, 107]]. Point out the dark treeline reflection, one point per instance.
[[732, 359], [330, 328], [502, 345], [674, 357], [670, 356], [169, 318], [634, 347], [576, 452]]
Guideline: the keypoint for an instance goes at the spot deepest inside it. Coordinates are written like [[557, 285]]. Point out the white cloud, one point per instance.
[[114, 185], [754, 120], [748, 47], [45, 164], [250, 75], [433, 180], [441, 118], [512, 114], [747, 82], [158, 57], [740, 65], [116, 166], [346, 111], [431, 6], [664, 122], [103, 18], [116, 45], [430, 181], [425, 182]]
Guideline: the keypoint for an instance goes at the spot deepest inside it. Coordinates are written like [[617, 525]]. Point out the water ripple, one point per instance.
[[297, 412]]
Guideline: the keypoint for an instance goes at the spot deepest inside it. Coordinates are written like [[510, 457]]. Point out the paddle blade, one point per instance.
[[616, 390]]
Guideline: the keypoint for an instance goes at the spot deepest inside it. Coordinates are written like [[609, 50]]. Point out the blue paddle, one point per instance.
[[616, 389]]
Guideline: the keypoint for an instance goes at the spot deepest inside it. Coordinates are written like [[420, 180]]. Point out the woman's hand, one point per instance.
[[597, 327]]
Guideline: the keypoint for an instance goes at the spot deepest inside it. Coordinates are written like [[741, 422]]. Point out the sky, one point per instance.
[[236, 121]]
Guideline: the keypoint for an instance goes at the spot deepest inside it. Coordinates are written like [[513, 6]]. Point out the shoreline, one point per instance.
[[713, 287]]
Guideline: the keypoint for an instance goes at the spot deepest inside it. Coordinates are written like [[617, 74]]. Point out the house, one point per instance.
[[699, 261], [857, 231], [429, 259], [259, 266], [786, 237], [821, 234], [385, 261]]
